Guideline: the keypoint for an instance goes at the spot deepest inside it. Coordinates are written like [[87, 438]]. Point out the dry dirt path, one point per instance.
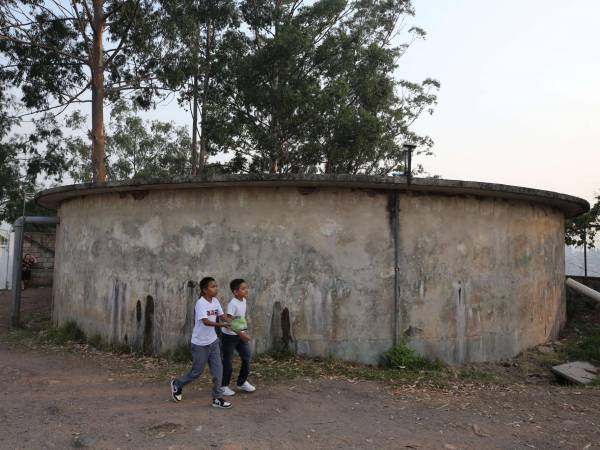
[[61, 400], [54, 400]]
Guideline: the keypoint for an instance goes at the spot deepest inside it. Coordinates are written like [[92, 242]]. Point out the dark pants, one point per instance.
[[202, 354], [231, 343]]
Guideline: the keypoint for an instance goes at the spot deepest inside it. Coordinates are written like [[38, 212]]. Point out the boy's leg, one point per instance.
[[216, 368], [228, 347], [243, 349], [200, 355]]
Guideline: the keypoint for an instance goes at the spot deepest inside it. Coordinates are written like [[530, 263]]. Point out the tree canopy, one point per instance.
[[279, 86]]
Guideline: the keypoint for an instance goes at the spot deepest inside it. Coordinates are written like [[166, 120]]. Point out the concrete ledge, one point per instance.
[[569, 205]]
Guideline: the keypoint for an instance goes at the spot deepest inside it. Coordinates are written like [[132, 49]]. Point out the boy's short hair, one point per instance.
[[204, 282], [235, 284]]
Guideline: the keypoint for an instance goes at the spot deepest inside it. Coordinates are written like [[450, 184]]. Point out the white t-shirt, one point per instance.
[[203, 335], [236, 309]]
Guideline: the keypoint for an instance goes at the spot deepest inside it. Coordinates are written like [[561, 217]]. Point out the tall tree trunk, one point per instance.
[[205, 88], [195, 128], [97, 69], [277, 156]]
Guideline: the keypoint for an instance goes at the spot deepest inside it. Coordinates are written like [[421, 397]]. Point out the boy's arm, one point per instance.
[[208, 323]]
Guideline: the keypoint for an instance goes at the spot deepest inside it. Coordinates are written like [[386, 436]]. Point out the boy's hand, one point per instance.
[[243, 336]]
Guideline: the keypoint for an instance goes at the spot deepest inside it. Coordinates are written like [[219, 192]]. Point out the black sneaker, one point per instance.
[[175, 392], [220, 403]]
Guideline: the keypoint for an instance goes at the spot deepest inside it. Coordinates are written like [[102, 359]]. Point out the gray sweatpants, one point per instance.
[[201, 354]]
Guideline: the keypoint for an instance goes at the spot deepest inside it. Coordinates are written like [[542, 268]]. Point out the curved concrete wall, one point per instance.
[[478, 278]]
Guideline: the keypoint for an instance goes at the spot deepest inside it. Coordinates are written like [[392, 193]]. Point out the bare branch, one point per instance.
[[82, 26]]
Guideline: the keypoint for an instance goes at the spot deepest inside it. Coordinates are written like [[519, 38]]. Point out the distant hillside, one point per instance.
[[574, 261]]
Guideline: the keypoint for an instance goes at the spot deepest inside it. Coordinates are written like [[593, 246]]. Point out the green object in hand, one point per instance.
[[239, 324]]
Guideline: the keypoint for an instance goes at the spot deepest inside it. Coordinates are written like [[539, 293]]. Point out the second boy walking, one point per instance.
[[232, 340]]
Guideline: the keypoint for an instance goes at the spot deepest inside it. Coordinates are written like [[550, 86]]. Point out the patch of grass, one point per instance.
[[181, 354], [280, 351], [586, 347], [96, 341], [69, 332], [37, 321], [471, 373], [401, 356]]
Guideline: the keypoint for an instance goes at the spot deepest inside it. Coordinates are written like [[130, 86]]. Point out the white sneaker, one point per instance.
[[246, 387], [226, 391]]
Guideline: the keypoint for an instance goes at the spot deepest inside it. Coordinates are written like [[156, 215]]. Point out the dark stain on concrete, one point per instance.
[[148, 346]]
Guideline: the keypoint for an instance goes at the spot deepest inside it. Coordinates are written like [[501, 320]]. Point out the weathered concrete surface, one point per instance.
[[326, 256], [569, 205], [479, 278]]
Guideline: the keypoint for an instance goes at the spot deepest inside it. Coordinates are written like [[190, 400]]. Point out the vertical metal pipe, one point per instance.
[[408, 151], [585, 253], [15, 313], [394, 211]]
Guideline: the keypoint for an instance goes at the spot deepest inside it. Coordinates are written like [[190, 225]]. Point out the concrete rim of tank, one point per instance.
[[569, 205]]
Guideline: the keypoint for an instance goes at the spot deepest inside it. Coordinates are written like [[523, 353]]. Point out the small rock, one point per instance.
[[545, 349], [83, 442], [450, 447], [199, 428], [478, 431]]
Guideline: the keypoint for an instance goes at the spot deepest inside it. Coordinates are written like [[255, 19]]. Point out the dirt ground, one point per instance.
[[61, 400]]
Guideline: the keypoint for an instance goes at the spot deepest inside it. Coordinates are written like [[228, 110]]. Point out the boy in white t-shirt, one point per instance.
[[205, 344], [236, 340]]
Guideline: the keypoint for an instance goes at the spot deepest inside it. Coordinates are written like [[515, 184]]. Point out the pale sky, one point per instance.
[[520, 96]]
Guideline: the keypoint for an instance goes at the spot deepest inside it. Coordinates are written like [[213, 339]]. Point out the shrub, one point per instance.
[[401, 356], [181, 354], [69, 332]]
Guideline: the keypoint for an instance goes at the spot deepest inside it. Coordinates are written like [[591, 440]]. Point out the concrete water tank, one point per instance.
[[341, 265]]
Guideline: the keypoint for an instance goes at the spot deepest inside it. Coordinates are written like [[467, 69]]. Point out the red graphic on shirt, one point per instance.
[[212, 312]]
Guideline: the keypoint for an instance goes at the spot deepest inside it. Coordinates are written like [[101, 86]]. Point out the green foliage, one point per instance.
[[135, 149], [26, 157], [69, 332], [96, 341], [587, 347], [583, 327], [181, 354], [578, 231], [283, 87], [401, 356], [280, 351], [315, 89]]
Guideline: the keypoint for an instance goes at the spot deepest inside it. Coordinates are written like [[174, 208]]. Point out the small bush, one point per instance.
[[279, 351], [587, 347], [96, 342], [401, 356], [181, 354], [119, 347], [69, 332]]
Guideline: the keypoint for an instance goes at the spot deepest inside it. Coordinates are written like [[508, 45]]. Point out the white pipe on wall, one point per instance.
[[583, 289]]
